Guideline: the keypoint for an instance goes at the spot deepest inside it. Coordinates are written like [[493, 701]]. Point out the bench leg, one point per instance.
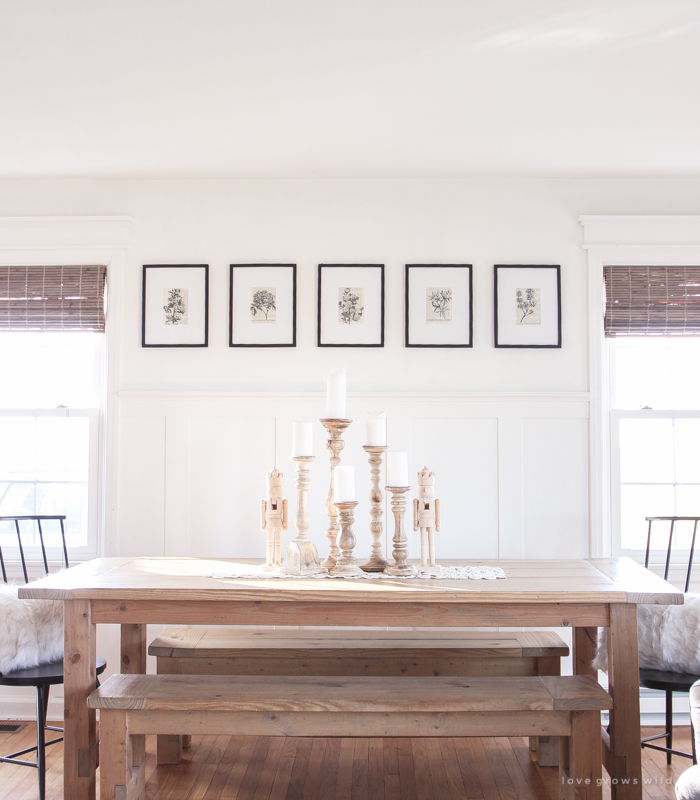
[[114, 766], [580, 761], [547, 747], [133, 662], [169, 748]]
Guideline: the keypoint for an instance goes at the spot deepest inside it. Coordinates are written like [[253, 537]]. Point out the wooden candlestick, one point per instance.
[[301, 557], [400, 553], [377, 562], [335, 444], [347, 563]]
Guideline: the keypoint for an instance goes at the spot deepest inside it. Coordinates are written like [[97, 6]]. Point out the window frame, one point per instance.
[[657, 554], [91, 549]]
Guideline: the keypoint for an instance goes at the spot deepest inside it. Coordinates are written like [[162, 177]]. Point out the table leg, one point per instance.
[[133, 661], [625, 758], [584, 641], [80, 736]]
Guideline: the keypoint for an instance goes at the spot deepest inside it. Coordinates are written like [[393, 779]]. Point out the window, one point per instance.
[[655, 437], [51, 356]]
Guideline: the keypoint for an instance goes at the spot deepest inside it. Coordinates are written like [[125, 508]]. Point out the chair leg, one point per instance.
[[41, 701], [669, 725]]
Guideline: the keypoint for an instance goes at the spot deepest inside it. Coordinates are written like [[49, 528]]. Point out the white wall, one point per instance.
[[192, 432]]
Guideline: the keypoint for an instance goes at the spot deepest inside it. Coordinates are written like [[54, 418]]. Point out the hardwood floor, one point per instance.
[[260, 768]]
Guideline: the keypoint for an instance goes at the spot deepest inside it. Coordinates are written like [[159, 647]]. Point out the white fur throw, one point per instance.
[[31, 631], [669, 638]]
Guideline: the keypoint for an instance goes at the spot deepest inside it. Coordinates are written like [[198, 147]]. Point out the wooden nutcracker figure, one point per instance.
[[274, 517], [426, 516]]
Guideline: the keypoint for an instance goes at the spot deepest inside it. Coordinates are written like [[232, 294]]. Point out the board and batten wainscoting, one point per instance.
[[511, 470]]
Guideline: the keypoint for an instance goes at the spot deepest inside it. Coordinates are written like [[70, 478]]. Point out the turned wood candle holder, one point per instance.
[[377, 562], [301, 557], [400, 553], [347, 563], [335, 444]]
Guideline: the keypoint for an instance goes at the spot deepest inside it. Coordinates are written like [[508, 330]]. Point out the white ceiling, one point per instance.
[[352, 88]]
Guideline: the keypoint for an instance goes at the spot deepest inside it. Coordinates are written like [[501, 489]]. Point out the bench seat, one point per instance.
[[134, 705], [417, 653]]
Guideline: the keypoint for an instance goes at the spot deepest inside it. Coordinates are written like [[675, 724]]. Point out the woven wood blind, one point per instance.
[[52, 298], [652, 301]]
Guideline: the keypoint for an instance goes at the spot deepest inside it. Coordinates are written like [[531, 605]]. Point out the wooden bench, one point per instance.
[[279, 652], [133, 705]]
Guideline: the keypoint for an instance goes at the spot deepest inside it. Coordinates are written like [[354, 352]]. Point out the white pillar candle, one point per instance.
[[397, 468], [343, 484], [376, 429], [335, 397], [302, 438]]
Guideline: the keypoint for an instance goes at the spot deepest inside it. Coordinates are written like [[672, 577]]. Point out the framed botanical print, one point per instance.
[[527, 305], [175, 305], [439, 305], [263, 305], [351, 305]]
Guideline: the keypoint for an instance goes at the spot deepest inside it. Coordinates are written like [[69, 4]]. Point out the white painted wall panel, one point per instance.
[[229, 459], [555, 488], [141, 486], [463, 454]]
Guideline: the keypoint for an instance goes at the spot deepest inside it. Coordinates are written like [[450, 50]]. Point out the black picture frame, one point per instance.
[[549, 278], [467, 310], [289, 312], [156, 334], [330, 332]]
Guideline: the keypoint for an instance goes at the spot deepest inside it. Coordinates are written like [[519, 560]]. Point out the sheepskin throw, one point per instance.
[[669, 638], [31, 631]]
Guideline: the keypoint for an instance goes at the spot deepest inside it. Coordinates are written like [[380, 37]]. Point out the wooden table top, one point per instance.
[[610, 580]]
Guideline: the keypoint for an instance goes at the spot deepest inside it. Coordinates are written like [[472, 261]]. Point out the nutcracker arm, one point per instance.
[[437, 515], [263, 515], [285, 515], [415, 513]]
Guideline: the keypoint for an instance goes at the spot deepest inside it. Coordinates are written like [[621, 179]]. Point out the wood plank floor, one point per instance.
[[259, 768]]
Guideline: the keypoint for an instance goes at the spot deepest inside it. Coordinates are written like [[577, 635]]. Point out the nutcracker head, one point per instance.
[[275, 480], [426, 482]]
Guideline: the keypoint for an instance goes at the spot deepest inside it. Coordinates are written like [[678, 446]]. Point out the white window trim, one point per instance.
[[84, 240], [668, 240]]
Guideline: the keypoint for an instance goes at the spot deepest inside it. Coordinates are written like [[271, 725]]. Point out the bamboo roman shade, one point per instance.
[[68, 298], [652, 301]]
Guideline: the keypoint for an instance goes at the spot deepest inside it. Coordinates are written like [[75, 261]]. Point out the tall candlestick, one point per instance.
[[302, 438], [301, 557], [400, 553], [335, 444], [336, 394], [343, 484], [346, 564], [377, 562], [397, 468], [376, 430]]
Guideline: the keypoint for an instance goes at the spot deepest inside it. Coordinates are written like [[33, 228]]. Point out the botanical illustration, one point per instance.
[[263, 304], [175, 310], [528, 307], [351, 308], [438, 305]]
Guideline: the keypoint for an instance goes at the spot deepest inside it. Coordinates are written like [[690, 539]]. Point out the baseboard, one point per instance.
[[26, 709]]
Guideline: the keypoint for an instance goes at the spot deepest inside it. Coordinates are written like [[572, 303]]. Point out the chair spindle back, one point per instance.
[[38, 519], [673, 521]]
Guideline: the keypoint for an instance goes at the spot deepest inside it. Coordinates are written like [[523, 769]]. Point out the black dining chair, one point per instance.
[[664, 680], [43, 676]]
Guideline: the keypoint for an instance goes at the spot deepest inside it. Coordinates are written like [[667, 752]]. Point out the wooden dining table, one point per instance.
[[133, 592]]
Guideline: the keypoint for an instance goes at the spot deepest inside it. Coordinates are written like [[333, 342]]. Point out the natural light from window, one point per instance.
[[49, 404], [655, 396]]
